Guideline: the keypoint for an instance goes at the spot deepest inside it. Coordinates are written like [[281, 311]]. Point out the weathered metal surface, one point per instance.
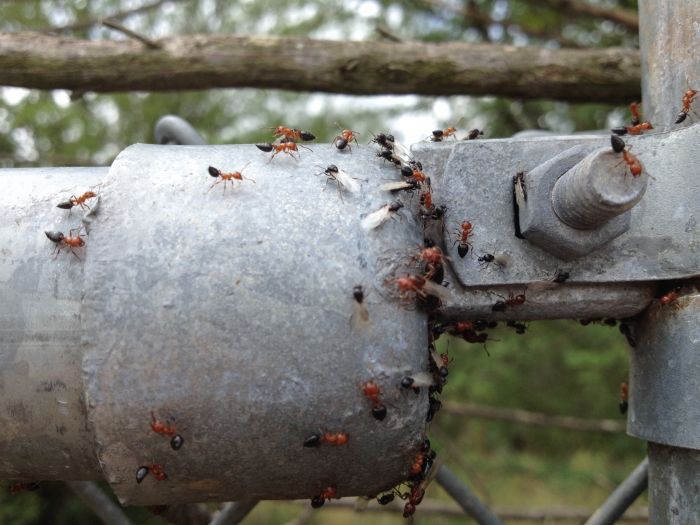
[[674, 485], [663, 241], [543, 213], [669, 33], [664, 372], [230, 312], [43, 424], [592, 193]]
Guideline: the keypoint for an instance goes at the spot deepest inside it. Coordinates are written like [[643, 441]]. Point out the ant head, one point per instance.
[[333, 168], [358, 293], [55, 236]]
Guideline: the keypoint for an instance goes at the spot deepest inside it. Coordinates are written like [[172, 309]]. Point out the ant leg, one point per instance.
[[217, 182], [75, 254]]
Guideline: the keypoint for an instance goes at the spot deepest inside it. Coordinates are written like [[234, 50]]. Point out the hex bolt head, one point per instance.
[[588, 209]]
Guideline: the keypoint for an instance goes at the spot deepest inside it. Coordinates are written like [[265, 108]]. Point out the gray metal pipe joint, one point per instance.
[[575, 203]]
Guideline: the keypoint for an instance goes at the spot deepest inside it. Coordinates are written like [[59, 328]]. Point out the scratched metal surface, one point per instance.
[[230, 312], [663, 241], [43, 423]]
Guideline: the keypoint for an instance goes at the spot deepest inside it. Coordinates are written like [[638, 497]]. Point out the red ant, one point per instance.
[[688, 97], [440, 134], [631, 162], [334, 438], [154, 469], [371, 390], [293, 133], [411, 284], [164, 429], [284, 147], [512, 300], [161, 428], [227, 177], [670, 296], [624, 397], [327, 493], [463, 233], [426, 200], [431, 255], [344, 139], [77, 201], [70, 241], [634, 110]]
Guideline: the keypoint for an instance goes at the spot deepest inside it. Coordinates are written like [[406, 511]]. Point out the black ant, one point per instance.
[[473, 134]]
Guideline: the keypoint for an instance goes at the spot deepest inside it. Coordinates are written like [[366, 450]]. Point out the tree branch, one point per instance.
[[625, 17], [39, 61], [534, 418]]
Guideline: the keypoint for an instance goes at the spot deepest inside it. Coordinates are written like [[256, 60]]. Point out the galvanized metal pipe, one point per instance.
[[674, 498], [101, 504], [622, 497], [228, 314], [596, 189], [465, 498], [174, 130], [668, 40], [44, 432], [234, 513]]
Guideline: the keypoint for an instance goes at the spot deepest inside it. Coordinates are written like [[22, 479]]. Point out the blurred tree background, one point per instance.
[[556, 368]]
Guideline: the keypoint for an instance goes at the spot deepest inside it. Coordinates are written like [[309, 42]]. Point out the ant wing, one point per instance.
[[396, 186], [437, 290], [360, 316], [376, 218], [401, 152], [347, 182], [421, 379]]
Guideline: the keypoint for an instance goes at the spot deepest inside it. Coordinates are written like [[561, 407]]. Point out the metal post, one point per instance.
[[664, 408], [668, 39]]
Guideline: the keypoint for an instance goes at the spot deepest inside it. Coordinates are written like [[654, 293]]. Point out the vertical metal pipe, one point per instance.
[[674, 485], [669, 32], [665, 408]]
